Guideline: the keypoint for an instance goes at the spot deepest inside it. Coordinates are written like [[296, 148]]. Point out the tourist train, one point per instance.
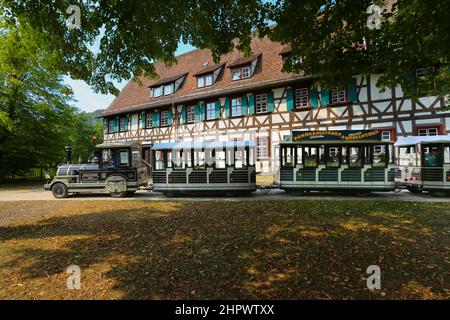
[[322, 160]]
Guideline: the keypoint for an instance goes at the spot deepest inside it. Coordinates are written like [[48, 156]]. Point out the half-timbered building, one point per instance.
[[251, 98]]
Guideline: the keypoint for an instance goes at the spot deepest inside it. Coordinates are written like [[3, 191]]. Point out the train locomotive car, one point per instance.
[[117, 169], [326, 160], [424, 163], [187, 167]]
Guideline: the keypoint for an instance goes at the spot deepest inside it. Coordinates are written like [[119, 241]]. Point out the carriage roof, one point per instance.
[[335, 142], [202, 145], [413, 140], [119, 144]]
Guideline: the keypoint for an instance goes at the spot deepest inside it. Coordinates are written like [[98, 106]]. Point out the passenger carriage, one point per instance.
[[424, 163], [117, 169], [204, 166], [337, 160]]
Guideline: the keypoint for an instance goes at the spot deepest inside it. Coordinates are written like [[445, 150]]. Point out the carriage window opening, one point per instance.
[[179, 159], [199, 159], [310, 157], [209, 157], [220, 159], [124, 158], [109, 158], [299, 155], [431, 157], [169, 163], [354, 157], [367, 157], [251, 156], [333, 157], [344, 155], [447, 154], [379, 156], [322, 154], [407, 156], [288, 156], [240, 158], [159, 160]]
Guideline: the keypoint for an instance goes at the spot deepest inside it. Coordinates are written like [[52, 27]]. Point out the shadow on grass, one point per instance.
[[241, 250]]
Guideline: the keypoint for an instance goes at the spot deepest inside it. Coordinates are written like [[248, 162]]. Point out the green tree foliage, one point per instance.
[[36, 118], [327, 34]]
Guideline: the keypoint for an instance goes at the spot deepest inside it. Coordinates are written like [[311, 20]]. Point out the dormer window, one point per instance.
[[205, 80], [208, 75], [168, 89], [241, 73], [244, 68], [166, 86]]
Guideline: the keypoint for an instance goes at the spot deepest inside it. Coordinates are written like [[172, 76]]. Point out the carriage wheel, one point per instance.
[[122, 194], [59, 190]]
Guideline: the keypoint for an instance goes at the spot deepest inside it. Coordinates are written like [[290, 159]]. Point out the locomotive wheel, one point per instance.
[[417, 189], [122, 194], [59, 190]]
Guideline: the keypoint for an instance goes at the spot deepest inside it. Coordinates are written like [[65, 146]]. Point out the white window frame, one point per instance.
[[210, 110], [148, 120], [431, 131], [205, 80], [261, 105], [168, 92], [338, 96], [164, 118], [302, 98], [262, 148], [383, 132], [122, 124], [157, 91], [236, 104], [190, 114], [238, 73]]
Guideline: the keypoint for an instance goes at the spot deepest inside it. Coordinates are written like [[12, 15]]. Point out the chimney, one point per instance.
[[68, 154]]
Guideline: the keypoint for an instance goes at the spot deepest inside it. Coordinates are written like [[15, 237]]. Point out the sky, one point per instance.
[[87, 100]]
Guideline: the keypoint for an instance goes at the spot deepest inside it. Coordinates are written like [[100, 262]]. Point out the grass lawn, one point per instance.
[[226, 249]]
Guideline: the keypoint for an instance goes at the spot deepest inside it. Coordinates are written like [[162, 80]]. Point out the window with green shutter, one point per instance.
[[244, 105], [227, 107], [251, 104], [143, 119], [290, 99], [217, 109], [183, 115], [352, 91], [197, 112], [313, 98], [324, 97], [155, 119], [270, 102]]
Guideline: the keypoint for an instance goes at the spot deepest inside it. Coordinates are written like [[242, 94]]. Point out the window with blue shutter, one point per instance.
[[251, 104], [169, 117], [290, 99], [105, 125], [202, 111], [143, 119], [197, 112], [352, 91], [155, 119], [217, 103], [227, 107], [270, 101], [244, 105], [313, 98], [183, 114], [324, 97]]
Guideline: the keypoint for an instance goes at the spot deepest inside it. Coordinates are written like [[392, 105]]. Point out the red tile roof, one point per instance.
[[209, 69], [244, 60], [167, 79], [137, 97]]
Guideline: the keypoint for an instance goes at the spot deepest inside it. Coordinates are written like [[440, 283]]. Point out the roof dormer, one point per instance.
[[166, 86], [208, 75], [244, 68]]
